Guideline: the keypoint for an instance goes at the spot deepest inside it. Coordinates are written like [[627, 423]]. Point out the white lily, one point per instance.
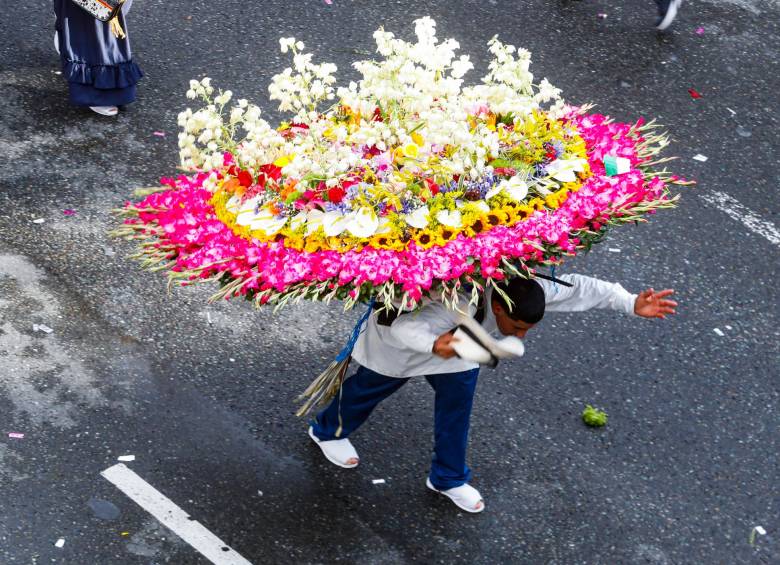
[[449, 219], [313, 221], [384, 226], [297, 221], [564, 169], [246, 212], [233, 204], [334, 222], [418, 218], [267, 222], [515, 188], [363, 223]]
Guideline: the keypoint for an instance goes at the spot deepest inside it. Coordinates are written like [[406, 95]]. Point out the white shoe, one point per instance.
[[338, 451], [465, 497], [105, 110], [57, 42]]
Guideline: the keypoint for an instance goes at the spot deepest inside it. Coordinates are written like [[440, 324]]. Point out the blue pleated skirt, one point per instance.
[[99, 67]]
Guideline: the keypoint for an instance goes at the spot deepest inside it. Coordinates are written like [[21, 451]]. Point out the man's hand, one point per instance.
[[443, 346], [652, 304]]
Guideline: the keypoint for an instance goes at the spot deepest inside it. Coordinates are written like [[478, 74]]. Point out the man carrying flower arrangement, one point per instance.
[[422, 343]]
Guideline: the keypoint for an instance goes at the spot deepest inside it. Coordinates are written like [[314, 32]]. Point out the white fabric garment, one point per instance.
[[404, 349]]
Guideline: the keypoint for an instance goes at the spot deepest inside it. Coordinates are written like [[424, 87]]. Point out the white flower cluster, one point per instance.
[[418, 87], [301, 88]]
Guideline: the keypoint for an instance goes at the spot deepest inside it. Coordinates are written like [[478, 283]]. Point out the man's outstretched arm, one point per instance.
[[588, 292]]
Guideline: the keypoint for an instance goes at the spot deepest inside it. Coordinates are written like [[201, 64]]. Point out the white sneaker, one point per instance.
[[338, 451], [105, 110], [465, 497]]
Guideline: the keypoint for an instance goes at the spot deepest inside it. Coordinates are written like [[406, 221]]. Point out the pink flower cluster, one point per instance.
[[186, 224]]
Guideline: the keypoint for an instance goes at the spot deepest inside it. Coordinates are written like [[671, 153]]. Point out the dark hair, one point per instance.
[[527, 298]]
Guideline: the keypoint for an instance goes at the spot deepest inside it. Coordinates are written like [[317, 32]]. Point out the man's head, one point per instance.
[[526, 310]]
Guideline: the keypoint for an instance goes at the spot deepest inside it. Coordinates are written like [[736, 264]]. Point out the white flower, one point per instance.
[[515, 188], [564, 170], [334, 222], [313, 221], [449, 219], [363, 223], [267, 222], [418, 218], [285, 43], [232, 205], [297, 221], [246, 213], [384, 226]]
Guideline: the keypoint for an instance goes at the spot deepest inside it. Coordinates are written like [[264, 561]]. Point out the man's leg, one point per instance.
[[452, 413], [360, 394]]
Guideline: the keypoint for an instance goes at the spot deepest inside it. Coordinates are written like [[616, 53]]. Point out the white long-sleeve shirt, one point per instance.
[[405, 348]]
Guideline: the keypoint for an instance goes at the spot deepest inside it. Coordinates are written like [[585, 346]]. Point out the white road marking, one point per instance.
[[732, 208], [173, 517]]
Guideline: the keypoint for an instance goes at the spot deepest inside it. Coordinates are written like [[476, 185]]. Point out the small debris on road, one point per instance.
[[126, 458], [16, 435], [378, 481], [700, 157], [718, 331], [594, 417], [59, 543], [756, 530], [42, 328]]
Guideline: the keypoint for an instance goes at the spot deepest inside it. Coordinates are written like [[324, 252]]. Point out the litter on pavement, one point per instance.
[[42, 328], [700, 157], [126, 458], [16, 435], [59, 543], [719, 332], [38, 221], [378, 481]]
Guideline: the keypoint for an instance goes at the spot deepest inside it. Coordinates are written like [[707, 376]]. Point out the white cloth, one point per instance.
[[404, 349]]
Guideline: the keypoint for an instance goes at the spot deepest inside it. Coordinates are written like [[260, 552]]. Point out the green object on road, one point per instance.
[[594, 417]]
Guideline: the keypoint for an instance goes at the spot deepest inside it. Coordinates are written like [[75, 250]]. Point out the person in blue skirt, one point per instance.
[[98, 66]]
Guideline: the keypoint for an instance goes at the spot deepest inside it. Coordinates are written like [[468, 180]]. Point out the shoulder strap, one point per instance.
[[479, 315]]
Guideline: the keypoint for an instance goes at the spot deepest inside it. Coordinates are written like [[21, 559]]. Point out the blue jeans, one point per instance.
[[362, 392]]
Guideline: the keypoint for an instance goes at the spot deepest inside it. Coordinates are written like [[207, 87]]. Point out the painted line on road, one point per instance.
[[732, 208], [170, 515]]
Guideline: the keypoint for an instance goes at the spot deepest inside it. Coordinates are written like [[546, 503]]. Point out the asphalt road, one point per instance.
[[202, 395]]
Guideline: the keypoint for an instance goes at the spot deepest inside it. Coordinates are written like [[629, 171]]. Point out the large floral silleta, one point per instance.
[[403, 186]]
